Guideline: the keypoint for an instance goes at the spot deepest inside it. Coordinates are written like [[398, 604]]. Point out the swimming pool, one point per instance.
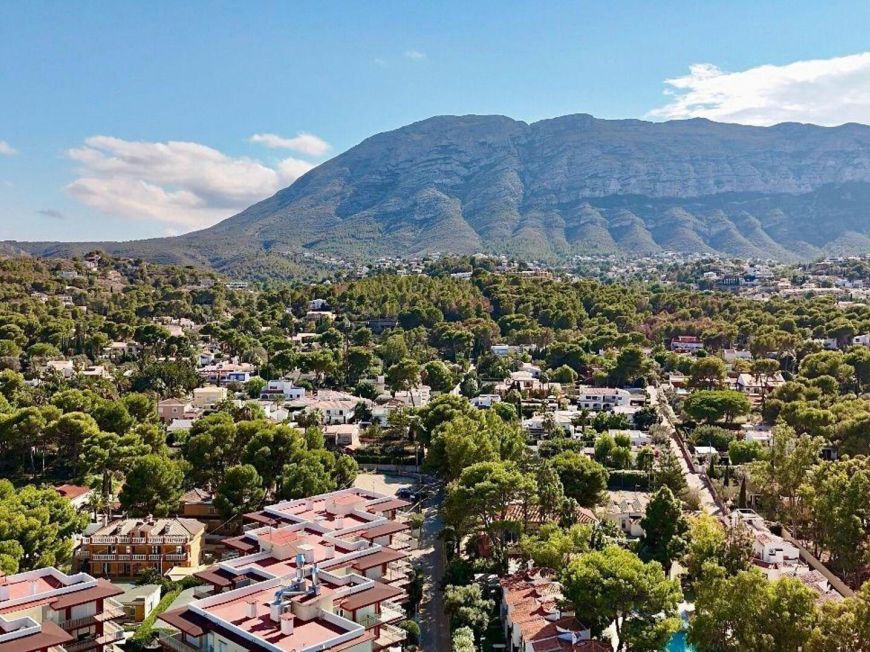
[[678, 643]]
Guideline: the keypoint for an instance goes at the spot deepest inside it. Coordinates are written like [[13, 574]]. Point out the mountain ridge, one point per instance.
[[552, 188]]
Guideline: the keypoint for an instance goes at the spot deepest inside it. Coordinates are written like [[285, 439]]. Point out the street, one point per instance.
[[692, 479]]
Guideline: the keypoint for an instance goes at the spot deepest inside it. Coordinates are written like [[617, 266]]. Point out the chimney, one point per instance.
[[307, 552], [329, 551], [4, 589], [287, 623], [338, 523], [275, 611], [34, 587], [252, 609]]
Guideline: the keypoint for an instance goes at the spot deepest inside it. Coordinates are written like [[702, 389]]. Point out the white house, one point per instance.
[[318, 304], [278, 389], [861, 340], [686, 344], [602, 398], [733, 355], [767, 547], [485, 400]]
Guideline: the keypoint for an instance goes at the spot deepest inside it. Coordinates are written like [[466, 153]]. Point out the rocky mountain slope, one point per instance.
[[574, 184]]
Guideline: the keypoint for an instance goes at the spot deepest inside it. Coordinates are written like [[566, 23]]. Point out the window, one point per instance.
[[222, 646]]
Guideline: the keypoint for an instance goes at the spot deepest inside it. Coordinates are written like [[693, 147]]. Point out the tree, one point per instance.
[[614, 586], [748, 612], [438, 376], [466, 607], [152, 486], [36, 527], [843, 625], [554, 547], [110, 455], [743, 451], [564, 375], [358, 360], [631, 365], [668, 472], [404, 376], [714, 405], [463, 640], [583, 479], [664, 527], [711, 544], [483, 497], [835, 497], [707, 373], [240, 491]]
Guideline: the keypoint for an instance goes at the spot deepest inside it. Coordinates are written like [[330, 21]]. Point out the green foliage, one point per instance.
[[614, 586]]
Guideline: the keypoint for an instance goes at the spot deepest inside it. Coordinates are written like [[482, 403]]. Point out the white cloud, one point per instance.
[[6, 149], [183, 184], [414, 55], [821, 91], [302, 142]]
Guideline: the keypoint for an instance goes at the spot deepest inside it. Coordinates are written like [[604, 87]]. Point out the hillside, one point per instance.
[[574, 184]]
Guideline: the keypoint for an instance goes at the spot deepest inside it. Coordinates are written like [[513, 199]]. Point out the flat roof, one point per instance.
[[49, 636], [375, 594], [382, 556], [390, 527]]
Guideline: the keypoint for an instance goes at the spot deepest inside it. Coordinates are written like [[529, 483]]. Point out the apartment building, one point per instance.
[[124, 547], [49, 611], [322, 573], [602, 398]]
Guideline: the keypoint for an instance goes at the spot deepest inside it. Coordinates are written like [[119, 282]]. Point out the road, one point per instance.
[[694, 481], [434, 629]]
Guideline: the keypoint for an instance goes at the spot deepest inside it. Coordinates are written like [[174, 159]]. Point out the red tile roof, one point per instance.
[[50, 636], [383, 556], [377, 593]]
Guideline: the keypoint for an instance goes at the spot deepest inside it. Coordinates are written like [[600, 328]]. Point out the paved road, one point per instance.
[[693, 479], [434, 631]]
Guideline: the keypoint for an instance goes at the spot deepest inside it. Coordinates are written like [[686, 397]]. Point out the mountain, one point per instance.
[[574, 184]]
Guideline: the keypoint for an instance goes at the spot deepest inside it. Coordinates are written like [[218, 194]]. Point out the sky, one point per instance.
[[128, 120]]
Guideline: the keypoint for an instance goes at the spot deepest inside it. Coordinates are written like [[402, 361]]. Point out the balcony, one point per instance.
[[176, 557], [390, 635], [174, 642], [390, 613]]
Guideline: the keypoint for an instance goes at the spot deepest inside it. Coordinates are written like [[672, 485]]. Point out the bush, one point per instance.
[[628, 479]]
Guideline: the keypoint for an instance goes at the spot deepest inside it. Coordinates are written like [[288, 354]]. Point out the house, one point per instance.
[[77, 495], [530, 368], [502, 350], [861, 340], [118, 350], [336, 407], [139, 601], [485, 400], [602, 398], [686, 344], [318, 304], [45, 610], [125, 547], [170, 409], [223, 373], [205, 398], [95, 371], [767, 547], [282, 389], [626, 509], [179, 425], [318, 573], [416, 397], [762, 434], [63, 367], [342, 435], [319, 316], [380, 324], [198, 504], [533, 618], [759, 385], [733, 355]]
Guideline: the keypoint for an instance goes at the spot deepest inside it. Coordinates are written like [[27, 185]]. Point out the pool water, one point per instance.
[[678, 643]]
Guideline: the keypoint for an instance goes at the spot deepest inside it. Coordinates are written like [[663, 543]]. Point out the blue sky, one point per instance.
[[123, 120]]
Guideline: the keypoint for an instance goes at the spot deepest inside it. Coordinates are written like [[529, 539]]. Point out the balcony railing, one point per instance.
[[174, 642], [390, 635], [390, 613]]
